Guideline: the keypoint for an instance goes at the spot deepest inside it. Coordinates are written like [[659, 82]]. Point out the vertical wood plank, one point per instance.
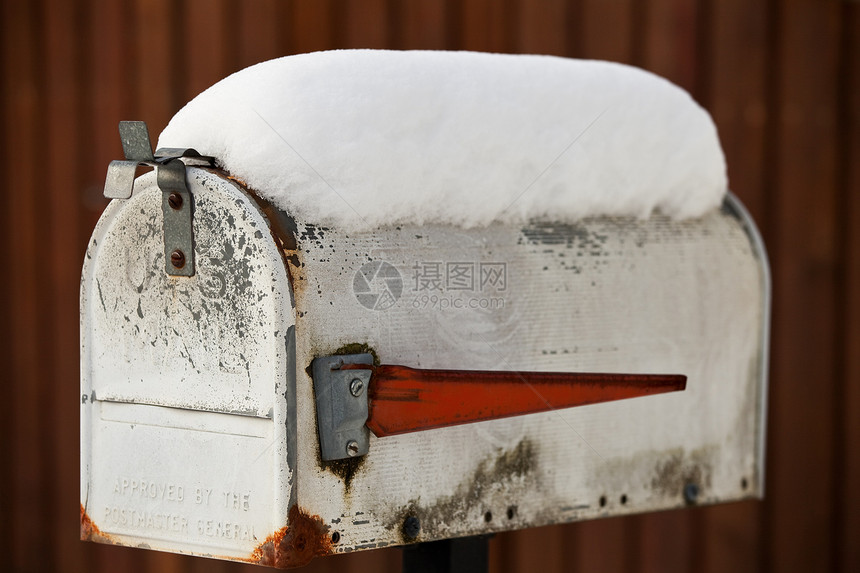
[[6, 473], [543, 27], [423, 25], [732, 534], [24, 136], [206, 43], [62, 213], [259, 24], [666, 541], [156, 55], [315, 26], [739, 96], [773, 131], [604, 545], [485, 25], [365, 24], [607, 30], [536, 549], [502, 552], [107, 86], [732, 537], [670, 44], [383, 560], [802, 404], [848, 500]]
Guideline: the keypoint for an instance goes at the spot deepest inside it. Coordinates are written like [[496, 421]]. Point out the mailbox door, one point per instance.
[[187, 383]]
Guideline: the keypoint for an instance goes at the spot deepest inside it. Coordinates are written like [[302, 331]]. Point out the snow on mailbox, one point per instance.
[[367, 299]]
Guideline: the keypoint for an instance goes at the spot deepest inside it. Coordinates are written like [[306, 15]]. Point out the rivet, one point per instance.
[[356, 387], [411, 527], [177, 259], [175, 201], [352, 448], [691, 493]]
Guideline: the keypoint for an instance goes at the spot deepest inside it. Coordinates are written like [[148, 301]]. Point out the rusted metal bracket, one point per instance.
[[177, 202]]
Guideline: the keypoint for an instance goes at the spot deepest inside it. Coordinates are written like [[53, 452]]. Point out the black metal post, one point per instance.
[[463, 555]]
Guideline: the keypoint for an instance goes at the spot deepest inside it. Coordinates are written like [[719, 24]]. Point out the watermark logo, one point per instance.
[[377, 285], [444, 302], [459, 276], [437, 285]]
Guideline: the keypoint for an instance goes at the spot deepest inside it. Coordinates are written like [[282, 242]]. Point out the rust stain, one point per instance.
[[357, 348], [240, 182], [304, 538], [91, 532], [221, 172]]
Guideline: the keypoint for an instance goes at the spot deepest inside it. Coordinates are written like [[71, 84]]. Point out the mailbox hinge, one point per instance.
[[341, 400], [177, 202]]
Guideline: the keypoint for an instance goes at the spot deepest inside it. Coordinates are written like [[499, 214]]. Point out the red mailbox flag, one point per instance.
[[403, 399]]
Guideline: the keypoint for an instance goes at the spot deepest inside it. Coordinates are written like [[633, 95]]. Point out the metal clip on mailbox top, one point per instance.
[[177, 204]]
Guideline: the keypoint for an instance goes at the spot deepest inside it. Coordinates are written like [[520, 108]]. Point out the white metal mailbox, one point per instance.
[[201, 425]]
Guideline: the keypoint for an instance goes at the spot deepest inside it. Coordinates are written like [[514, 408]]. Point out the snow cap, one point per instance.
[[361, 139]]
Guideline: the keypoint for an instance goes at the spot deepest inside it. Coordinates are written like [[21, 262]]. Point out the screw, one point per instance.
[[352, 448], [356, 387], [175, 201], [177, 259], [411, 527], [691, 493]]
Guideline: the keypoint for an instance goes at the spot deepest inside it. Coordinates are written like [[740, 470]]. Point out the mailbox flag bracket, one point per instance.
[[341, 401], [177, 202]]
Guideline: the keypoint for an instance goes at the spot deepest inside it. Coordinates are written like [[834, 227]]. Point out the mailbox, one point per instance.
[[265, 381]]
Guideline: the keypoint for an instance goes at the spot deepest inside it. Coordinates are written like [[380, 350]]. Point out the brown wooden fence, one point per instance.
[[781, 78]]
